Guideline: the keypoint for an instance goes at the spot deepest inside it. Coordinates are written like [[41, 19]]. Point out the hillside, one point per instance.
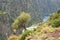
[[49, 30], [29, 19]]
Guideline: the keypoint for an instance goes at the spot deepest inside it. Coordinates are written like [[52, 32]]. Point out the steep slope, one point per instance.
[[49, 30]]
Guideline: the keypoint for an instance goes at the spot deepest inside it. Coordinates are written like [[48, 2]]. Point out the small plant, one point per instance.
[[25, 34], [54, 16], [56, 23]]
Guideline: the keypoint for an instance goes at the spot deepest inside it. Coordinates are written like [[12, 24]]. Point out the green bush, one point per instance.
[[54, 16], [21, 21], [56, 23], [25, 34]]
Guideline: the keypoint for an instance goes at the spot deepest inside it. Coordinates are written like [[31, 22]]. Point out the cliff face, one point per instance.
[[4, 29], [7, 30], [37, 8]]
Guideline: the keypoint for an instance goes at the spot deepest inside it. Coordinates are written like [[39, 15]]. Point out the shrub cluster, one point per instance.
[[55, 19], [21, 21], [56, 23], [25, 34]]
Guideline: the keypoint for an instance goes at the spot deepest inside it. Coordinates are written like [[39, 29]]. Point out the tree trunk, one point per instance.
[[24, 27]]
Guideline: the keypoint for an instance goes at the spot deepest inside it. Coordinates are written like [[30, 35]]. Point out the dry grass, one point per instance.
[[14, 37]]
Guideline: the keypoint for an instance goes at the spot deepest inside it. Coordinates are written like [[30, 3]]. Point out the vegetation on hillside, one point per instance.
[[48, 30], [45, 30], [18, 15]]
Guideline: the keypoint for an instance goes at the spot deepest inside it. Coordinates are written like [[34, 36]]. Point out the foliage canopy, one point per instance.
[[21, 20]]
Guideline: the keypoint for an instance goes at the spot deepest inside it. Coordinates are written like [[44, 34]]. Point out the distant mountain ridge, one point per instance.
[[37, 8]]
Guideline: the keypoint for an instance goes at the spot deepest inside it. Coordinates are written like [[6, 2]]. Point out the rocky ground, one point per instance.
[[46, 36]]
